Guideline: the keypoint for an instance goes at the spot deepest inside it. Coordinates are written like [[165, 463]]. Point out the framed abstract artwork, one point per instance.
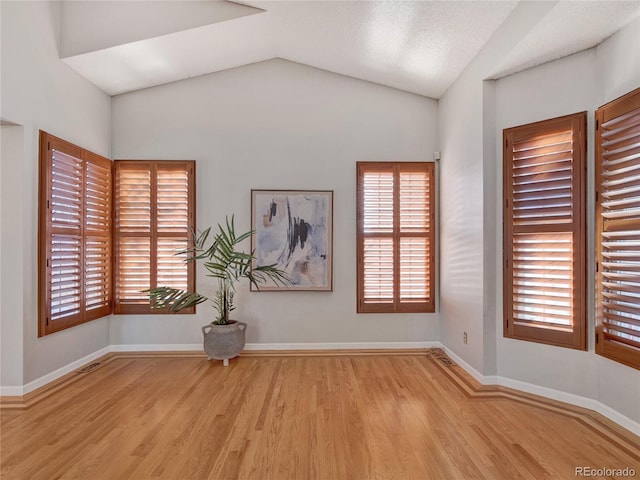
[[294, 230]]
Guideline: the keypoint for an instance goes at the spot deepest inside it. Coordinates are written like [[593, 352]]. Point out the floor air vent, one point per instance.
[[89, 368], [439, 355]]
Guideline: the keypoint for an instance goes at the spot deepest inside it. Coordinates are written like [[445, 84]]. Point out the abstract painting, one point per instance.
[[293, 229]]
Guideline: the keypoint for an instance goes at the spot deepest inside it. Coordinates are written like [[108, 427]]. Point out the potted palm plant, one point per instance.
[[223, 338]]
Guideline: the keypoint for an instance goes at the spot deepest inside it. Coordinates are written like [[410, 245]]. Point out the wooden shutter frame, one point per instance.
[[48, 143], [108, 309], [396, 306], [577, 338], [152, 165], [604, 347]]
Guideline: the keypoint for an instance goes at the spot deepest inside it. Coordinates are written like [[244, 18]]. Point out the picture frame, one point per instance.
[[294, 230]]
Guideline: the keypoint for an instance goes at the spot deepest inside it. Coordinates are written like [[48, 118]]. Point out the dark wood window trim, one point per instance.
[[74, 235], [395, 243], [154, 217], [545, 232], [618, 230]]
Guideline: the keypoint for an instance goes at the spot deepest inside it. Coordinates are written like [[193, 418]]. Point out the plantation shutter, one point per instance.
[[155, 212], [97, 238], [75, 235], [395, 237], [618, 229], [544, 232]]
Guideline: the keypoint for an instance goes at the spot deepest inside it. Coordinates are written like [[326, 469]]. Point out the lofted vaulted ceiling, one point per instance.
[[416, 46]]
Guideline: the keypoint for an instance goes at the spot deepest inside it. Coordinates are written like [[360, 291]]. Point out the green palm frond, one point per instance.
[[175, 299], [223, 260]]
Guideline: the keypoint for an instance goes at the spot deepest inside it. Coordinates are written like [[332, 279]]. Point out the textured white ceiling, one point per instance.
[[568, 28], [420, 47], [416, 46]]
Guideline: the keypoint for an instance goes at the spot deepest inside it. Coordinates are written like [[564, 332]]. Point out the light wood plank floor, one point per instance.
[[326, 418]]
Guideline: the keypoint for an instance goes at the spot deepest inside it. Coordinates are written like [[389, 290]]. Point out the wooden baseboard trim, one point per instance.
[[336, 353], [606, 428], [611, 431], [31, 398]]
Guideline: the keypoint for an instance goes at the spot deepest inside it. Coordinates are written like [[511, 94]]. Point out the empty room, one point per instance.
[[287, 240]]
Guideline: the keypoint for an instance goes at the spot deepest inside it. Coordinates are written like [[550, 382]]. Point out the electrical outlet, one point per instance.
[[464, 337]]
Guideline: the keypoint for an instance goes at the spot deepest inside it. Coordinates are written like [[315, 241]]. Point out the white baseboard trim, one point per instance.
[[550, 393], [572, 399], [553, 394], [162, 347], [188, 347], [50, 377], [341, 346], [483, 379], [10, 391], [17, 391]]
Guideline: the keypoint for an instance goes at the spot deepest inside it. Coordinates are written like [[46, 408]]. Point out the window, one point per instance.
[[395, 239], [154, 219], [74, 244], [618, 229], [544, 232]]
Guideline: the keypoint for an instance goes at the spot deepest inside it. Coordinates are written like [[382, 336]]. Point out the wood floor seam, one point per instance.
[[176, 415], [460, 378]]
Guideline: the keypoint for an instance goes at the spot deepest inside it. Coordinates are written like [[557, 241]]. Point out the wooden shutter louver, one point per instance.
[[155, 211], [97, 239], [395, 237], [133, 234], [378, 256], [173, 226], [618, 230], [65, 286], [75, 235], [544, 242], [415, 254]]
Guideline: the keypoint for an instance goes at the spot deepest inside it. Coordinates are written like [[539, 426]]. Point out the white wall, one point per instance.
[[467, 225], [11, 256], [558, 88], [577, 83], [38, 91], [472, 114], [277, 125]]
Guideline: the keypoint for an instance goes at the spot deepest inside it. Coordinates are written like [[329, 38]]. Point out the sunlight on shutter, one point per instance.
[[543, 279], [134, 260], [173, 200], [65, 250], [66, 191], [414, 204], [97, 247], [545, 231], [543, 262], [542, 180], [133, 194], [154, 221], [620, 240], [65, 278], [414, 269], [172, 270], [378, 202], [133, 217], [378, 270], [97, 272], [414, 251], [395, 237], [98, 197]]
